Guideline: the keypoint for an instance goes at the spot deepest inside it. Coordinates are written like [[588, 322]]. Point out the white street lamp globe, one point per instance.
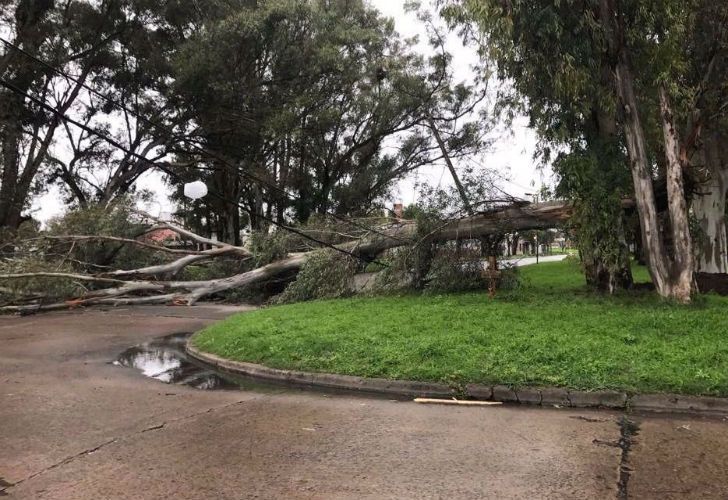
[[195, 190]]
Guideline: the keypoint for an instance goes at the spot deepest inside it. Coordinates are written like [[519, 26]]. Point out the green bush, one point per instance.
[[49, 289], [398, 276], [116, 219], [455, 271], [327, 274], [268, 247]]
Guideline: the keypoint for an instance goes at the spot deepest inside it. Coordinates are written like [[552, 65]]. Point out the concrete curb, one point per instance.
[[538, 396], [326, 380]]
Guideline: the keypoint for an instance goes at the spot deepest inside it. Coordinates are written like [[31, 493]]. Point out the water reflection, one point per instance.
[[164, 359]]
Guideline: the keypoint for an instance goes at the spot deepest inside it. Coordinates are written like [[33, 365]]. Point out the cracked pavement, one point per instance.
[[74, 426]]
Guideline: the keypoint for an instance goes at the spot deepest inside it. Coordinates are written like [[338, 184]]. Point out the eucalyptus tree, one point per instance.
[[309, 107], [125, 99], [75, 36], [569, 101], [707, 106], [77, 59], [619, 65]]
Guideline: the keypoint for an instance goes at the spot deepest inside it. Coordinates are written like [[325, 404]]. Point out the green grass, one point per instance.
[[553, 331]]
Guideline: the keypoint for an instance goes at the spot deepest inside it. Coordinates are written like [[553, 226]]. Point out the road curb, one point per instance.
[[330, 381], [537, 396]]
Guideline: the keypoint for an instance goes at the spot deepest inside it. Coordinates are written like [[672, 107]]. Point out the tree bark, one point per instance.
[[682, 281], [709, 206], [672, 277], [655, 253]]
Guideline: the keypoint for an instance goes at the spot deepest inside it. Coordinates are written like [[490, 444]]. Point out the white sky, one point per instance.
[[512, 155]]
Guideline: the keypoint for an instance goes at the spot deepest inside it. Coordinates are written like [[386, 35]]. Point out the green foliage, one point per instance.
[[397, 277], [551, 332], [455, 270], [268, 247], [116, 219], [597, 185], [214, 269], [511, 279], [326, 274], [375, 267], [49, 289], [311, 96], [410, 265]]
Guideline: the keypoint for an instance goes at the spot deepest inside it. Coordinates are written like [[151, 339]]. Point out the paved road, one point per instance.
[[527, 261], [73, 426]]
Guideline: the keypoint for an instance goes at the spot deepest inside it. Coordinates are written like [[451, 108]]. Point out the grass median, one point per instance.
[[552, 331]]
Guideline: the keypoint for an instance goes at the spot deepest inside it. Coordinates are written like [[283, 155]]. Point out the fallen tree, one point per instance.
[[150, 285]]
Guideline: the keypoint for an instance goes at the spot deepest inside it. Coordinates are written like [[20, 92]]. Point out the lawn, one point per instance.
[[550, 332]]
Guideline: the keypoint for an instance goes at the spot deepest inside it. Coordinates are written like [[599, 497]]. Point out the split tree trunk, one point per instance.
[[673, 277]]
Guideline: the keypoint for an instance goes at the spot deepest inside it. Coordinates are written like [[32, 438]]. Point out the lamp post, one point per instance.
[[195, 190], [535, 236]]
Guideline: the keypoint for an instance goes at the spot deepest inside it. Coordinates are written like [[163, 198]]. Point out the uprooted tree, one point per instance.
[[159, 282]]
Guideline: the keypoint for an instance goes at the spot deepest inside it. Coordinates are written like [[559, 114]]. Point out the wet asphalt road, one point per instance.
[[74, 426]]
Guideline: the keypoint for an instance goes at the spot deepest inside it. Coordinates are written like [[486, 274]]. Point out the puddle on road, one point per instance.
[[164, 359]]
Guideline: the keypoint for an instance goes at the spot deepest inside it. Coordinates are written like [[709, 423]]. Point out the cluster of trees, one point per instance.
[[636, 91], [289, 109], [285, 108]]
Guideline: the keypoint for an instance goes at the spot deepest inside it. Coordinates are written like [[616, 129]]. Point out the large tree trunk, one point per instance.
[[671, 275], [673, 278], [709, 206], [642, 179], [602, 242], [21, 73], [608, 273], [682, 279]]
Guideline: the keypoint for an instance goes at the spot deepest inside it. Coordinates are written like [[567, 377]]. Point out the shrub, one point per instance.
[[454, 270], [116, 219], [396, 277], [326, 274], [48, 289], [268, 247]]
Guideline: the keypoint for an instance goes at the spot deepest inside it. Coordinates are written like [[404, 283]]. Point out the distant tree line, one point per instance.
[[285, 108]]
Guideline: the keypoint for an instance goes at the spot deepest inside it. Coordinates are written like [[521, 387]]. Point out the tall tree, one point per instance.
[[78, 57], [633, 52], [309, 107], [74, 37], [706, 105], [561, 81]]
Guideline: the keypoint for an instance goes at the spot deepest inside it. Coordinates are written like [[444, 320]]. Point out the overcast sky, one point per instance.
[[512, 154]]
